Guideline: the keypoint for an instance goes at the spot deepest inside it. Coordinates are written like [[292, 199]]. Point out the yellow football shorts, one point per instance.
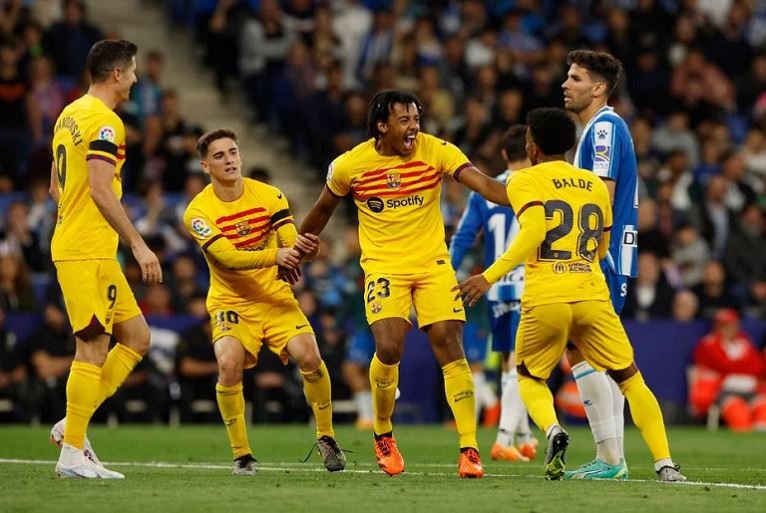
[[394, 295], [95, 291], [274, 323], [591, 325]]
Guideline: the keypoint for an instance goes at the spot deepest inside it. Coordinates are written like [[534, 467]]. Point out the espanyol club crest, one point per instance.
[[393, 180], [243, 228]]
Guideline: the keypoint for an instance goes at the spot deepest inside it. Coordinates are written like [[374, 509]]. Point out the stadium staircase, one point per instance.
[[144, 23]]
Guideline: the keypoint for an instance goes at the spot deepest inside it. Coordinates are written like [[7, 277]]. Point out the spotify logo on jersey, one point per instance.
[[375, 204]]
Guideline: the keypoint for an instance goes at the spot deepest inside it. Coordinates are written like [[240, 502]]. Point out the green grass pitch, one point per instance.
[[187, 469]]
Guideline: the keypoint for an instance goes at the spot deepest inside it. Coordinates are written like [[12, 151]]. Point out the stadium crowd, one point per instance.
[[307, 69]]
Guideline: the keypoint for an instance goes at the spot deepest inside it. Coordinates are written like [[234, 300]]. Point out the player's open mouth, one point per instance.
[[232, 169], [409, 141]]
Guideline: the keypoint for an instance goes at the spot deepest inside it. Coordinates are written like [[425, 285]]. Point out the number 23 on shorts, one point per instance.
[[376, 290]]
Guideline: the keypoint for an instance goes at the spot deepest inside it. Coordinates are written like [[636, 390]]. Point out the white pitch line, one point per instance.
[[294, 467]]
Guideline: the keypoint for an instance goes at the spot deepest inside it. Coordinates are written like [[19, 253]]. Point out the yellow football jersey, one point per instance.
[[250, 223], [401, 230], [565, 268], [87, 129]]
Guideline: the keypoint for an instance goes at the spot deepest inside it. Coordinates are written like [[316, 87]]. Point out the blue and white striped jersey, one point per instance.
[[606, 148], [500, 226]]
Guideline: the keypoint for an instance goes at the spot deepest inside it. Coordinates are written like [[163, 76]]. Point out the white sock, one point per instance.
[[596, 395], [512, 409], [364, 405], [664, 462], [618, 410]]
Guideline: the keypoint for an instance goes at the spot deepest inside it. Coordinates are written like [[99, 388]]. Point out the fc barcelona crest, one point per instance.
[[393, 180], [243, 228]]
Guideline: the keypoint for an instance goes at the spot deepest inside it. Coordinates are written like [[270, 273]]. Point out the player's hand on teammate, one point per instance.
[[289, 258], [308, 245], [151, 271], [471, 289]]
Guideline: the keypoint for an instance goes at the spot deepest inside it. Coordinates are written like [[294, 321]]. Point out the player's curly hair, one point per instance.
[[107, 55], [208, 138], [381, 105], [552, 130], [602, 66]]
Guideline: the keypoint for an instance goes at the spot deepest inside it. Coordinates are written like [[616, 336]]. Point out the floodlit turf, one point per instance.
[[187, 470]]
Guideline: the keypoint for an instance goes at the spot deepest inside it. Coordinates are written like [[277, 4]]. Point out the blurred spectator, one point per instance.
[[695, 71], [49, 96], [67, 41], [685, 306], [650, 237], [689, 254], [754, 153], [651, 296], [157, 301], [197, 366], [147, 93], [158, 218], [713, 293], [675, 134], [727, 371], [744, 255], [183, 282], [51, 350], [12, 373], [264, 42], [376, 46], [18, 237], [712, 217], [16, 109], [16, 293], [739, 193]]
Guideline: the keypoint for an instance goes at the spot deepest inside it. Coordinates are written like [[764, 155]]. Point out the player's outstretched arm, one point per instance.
[[491, 189], [100, 175], [320, 213]]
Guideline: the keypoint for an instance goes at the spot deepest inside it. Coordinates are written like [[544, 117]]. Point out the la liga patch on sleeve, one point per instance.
[[106, 133], [200, 227]]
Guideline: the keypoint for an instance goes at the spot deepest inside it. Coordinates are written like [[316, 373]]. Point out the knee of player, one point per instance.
[[622, 375], [310, 361], [140, 343], [230, 367], [389, 354]]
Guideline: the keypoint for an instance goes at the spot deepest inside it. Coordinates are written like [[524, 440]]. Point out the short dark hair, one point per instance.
[[208, 138], [108, 54], [552, 130], [604, 66], [514, 143], [381, 105]]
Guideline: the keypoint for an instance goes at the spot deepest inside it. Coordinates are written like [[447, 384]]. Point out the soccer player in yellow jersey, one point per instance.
[[89, 151], [246, 230], [395, 178], [565, 216]]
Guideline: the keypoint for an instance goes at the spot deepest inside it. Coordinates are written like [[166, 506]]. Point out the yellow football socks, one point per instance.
[[538, 399], [316, 386], [383, 382], [82, 388], [646, 415], [119, 364], [231, 403], [458, 386]]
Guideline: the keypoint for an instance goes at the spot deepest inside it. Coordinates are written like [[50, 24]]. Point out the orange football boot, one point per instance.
[[529, 449], [387, 453], [469, 465], [506, 453]]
